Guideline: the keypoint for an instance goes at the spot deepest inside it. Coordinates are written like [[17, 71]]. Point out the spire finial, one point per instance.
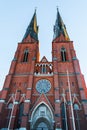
[[57, 9], [35, 9]]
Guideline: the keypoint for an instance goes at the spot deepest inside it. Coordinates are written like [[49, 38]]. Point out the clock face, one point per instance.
[[43, 86]]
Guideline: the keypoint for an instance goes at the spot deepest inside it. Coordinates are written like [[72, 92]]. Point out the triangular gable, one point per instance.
[[43, 98], [44, 59]]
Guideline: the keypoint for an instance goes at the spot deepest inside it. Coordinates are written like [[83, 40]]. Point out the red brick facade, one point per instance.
[[23, 106]]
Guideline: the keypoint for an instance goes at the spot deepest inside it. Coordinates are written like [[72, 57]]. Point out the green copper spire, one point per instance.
[[59, 28], [32, 29]]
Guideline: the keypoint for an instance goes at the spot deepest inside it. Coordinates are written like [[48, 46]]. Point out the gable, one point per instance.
[[44, 59]]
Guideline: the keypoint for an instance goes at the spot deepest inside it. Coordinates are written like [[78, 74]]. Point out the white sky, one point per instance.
[[16, 15]]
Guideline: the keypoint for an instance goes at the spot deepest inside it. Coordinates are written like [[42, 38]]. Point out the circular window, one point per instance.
[[43, 86]]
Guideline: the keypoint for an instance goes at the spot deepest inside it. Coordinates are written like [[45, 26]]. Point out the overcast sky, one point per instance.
[[15, 15]]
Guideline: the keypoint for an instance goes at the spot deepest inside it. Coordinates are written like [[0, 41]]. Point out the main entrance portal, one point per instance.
[[42, 126], [42, 118]]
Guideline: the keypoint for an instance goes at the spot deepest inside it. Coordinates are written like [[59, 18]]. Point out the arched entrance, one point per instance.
[[42, 124], [42, 118]]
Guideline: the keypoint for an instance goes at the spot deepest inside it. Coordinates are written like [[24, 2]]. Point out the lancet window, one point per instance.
[[25, 57], [10, 105], [76, 106], [76, 115], [21, 107], [43, 68], [63, 54], [64, 116]]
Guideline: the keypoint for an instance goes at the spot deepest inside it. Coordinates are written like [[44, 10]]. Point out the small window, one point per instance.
[[63, 54], [10, 105], [25, 58], [14, 84], [67, 83], [76, 106], [44, 69], [72, 83], [61, 83], [21, 108], [25, 84]]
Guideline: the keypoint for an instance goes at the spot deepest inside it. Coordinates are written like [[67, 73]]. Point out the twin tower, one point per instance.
[[43, 95]]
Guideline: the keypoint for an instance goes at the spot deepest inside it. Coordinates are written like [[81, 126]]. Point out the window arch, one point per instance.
[[63, 54], [64, 116], [76, 106], [42, 113], [77, 116], [10, 105], [20, 113], [25, 57]]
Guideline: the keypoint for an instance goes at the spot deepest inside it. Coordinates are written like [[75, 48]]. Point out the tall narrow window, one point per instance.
[[61, 83], [63, 54], [64, 116], [44, 68], [10, 105], [21, 107], [76, 114], [25, 58]]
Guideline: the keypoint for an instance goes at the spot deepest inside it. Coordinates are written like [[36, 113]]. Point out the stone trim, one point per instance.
[[22, 74], [16, 102], [55, 59], [70, 74], [2, 100], [84, 100], [58, 129], [81, 89], [27, 101], [57, 101], [6, 89], [28, 88], [43, 74], [74, 58], [57, 115], [22, 128], [34, 58], [14, 59]]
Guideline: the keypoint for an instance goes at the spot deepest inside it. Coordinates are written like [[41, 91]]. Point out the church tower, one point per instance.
[[42, 95]]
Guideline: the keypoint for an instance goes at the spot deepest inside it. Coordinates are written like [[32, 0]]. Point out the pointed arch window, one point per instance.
[[64, 116], [76, 106], [77, 116], [25, 57], [63, 54], [43, 68], [21, 108], [10, 105]]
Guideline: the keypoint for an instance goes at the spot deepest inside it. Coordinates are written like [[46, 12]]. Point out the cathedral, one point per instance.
[[41, 94]]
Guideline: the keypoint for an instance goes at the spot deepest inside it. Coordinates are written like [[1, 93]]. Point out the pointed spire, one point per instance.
[[32, 29], [59, 28]]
